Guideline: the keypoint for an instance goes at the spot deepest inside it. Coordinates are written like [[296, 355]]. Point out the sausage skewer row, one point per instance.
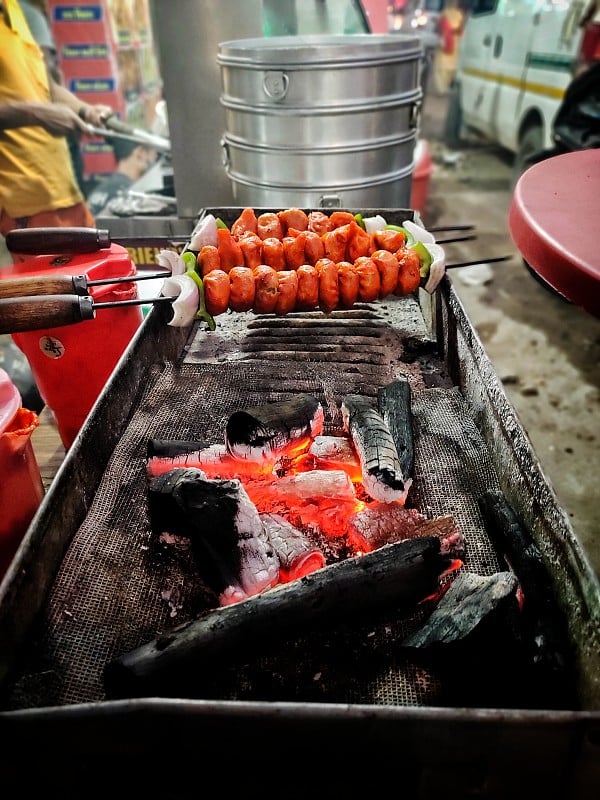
[[326, 286], [293, 261]]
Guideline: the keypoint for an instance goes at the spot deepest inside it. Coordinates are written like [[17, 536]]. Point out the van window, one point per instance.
[[479, 7], [299, 18]]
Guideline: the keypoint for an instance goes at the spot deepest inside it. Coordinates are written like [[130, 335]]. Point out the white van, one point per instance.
[[516, 59]]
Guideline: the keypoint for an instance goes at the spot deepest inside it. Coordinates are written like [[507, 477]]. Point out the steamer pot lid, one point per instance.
[[317, 49]]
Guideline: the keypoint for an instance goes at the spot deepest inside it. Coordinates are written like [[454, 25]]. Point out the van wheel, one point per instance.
[[453, 121], [530, 146]]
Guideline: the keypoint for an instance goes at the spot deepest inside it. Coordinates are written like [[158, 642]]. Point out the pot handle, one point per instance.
[[276, 84], [225, 153]]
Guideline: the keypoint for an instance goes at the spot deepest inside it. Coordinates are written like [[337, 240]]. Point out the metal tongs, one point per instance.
[[116, 129]]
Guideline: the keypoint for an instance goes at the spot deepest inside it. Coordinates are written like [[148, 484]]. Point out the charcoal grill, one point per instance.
[[90, 582]]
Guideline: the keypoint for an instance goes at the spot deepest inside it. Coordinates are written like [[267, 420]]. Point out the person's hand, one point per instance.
[[95, 114], [57, 118]]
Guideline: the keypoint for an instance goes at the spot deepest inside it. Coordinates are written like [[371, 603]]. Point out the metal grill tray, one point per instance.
[[89, 581]]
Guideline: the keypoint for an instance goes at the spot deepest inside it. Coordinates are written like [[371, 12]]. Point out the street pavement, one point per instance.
[[545, 350]]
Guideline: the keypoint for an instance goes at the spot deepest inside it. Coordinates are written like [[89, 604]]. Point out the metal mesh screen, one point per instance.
[[120, 586]]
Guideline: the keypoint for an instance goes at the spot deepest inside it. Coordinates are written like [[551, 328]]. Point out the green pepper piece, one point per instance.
[[410, 239], [424, 257], [360, 220], [189, 259], [220, 223]]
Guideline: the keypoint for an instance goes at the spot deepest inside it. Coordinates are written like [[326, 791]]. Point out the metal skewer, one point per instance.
[[441, 228], [456, 239], [56, 284], [479, 261]]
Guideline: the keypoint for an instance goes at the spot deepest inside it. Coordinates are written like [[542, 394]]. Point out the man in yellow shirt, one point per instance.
[[38, 187]]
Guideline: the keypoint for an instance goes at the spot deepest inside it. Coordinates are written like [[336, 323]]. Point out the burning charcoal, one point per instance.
[[212, 459], [382, 475], [394, 402], [398, 576], [267, 432], [225, 529], [316, 485], [336, 452], [467, 601], [382, 523], [296, 553], [543, 620]]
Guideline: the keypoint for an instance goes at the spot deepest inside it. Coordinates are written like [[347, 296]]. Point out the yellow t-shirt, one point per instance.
[[36, 173]]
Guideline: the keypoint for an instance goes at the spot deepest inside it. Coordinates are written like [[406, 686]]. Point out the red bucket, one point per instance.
[[21, 488], [72, 363]]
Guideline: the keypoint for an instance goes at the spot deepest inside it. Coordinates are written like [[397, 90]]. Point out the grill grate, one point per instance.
[[118, 586]]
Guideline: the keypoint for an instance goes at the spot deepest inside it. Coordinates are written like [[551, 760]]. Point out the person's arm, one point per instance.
[[57, 118], [65, 114], [93, 114]]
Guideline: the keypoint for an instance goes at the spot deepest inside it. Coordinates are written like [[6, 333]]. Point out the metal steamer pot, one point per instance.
[[322, 120]]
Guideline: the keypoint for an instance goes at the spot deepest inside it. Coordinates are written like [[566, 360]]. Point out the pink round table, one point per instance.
[[554, 221]]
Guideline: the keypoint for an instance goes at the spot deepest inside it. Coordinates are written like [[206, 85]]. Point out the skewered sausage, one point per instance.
[[293, 250], [359, 242], [273, 253], [293, 218], [208, 259], [230, 252], [388, 267], [335, 242], [242, 289], [252, 249], [314, 249], [388, 240], [266, 289], [246, 222], [216, 292], [269, 225], [369, 281], [341, 218], [288, 290], [409, 274], [319, 222], [308, 288], [329, 292], [347, 284]]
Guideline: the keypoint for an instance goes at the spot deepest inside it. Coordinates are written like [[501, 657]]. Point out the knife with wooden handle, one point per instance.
[[44, 241], [21, 314], [36, 285]]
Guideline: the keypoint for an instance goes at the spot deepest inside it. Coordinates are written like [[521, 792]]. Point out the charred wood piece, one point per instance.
[[395, 407], [297, 555], [265, 432], [543, 622], [214, 460], [398, 576], [468, 600], [384, 523], [383, 478], [336, 452], [225, 529]]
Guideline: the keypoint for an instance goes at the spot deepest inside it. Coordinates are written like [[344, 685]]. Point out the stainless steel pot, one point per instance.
[[321, 115]]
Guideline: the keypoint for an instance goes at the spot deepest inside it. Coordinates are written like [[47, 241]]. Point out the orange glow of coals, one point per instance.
[[454, 566]]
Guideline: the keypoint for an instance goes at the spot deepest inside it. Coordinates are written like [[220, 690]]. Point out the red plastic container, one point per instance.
[[21, 488], [71, 363], [421, 176]]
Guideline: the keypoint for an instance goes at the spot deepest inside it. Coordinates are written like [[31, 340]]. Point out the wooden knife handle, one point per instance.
[[20, 314], [40, 241], [41, 285]]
